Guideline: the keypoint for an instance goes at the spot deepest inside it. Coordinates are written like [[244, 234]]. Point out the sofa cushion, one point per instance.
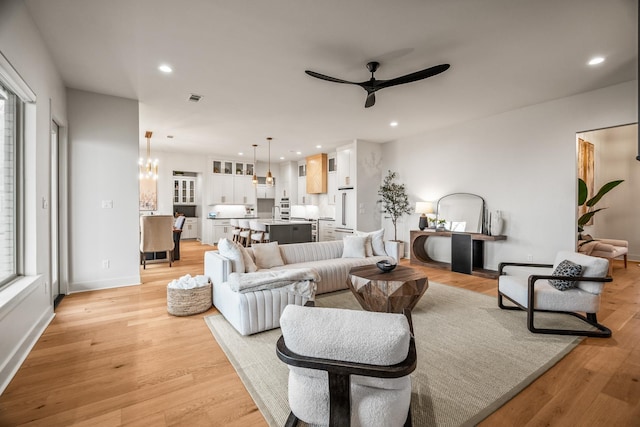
[[376, 244], [249, 264], [228, 249], [267, 255], [354, 247], [334, 272]]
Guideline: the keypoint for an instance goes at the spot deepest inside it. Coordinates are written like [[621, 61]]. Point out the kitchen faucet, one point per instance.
[[273, 212]]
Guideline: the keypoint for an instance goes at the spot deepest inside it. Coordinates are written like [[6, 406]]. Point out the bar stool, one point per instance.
[[258, 232], [245, 232], [236, 229]]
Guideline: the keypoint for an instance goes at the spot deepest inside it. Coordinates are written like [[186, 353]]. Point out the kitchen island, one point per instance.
[[285, 232]]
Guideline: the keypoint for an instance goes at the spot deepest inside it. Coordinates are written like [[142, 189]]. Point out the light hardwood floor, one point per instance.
[[115, 357]]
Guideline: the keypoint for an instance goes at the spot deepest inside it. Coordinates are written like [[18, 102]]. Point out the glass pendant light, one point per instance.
[[269, 179], [254, 180]]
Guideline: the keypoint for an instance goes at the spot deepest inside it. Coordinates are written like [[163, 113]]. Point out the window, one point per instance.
[[10, 108]]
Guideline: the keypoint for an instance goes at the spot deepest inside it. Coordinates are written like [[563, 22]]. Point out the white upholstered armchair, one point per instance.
[[347, 367], [535, 288]]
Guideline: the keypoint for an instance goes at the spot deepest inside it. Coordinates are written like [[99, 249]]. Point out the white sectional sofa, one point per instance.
[[258, 311]]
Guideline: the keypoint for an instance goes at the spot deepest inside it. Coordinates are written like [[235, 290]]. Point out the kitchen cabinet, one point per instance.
[[222, 189], [217, 229], [190, 229], [287, 184], [244, 192], [303, 197], [184, 190], [316, 174], [326, 230], [332, 188], [346, 166], [231, 183]]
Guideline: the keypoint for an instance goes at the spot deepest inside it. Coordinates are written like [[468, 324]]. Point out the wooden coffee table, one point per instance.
[[390, 292]]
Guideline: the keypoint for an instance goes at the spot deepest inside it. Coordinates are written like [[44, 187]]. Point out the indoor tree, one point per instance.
[[394, 200]]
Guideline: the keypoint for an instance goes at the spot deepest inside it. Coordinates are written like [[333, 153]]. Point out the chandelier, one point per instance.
[[269, 179], [148, 169]]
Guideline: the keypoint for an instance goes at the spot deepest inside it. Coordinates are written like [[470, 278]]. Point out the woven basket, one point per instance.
[[185, 302]]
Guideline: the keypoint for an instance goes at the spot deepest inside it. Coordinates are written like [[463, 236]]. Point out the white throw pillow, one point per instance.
[[267, 255], [354, 247], [229, 250], [249, 265], [376, 245]]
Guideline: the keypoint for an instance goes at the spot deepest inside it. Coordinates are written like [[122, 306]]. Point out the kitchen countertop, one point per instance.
[[283, 222]]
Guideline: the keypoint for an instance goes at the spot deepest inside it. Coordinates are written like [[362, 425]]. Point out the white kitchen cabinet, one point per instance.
[[221, 189], [346, 166], [184, 190], [326, 231], [332, 187], [190, 229], [287, 184], [303, 197], [217, 229], [244, 192]]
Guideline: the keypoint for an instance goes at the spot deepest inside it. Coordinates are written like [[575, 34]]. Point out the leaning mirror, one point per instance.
[[462, 212]]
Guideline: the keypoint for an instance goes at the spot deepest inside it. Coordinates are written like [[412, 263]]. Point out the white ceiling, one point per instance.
[[247, 60]]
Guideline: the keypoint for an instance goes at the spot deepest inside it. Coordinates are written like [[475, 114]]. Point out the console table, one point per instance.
[[467, 252]]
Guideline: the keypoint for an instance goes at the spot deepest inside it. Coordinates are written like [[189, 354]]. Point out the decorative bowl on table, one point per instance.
[[385, 266]]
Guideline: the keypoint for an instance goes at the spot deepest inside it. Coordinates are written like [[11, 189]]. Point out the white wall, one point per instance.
[[615, 153], [103, 144], [26, 308], [523, 163]]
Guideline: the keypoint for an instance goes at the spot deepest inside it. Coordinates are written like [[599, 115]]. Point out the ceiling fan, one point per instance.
[[372, 85]]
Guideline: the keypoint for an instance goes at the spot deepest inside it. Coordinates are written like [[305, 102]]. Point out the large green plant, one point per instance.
[[583, 194], [394, 200]]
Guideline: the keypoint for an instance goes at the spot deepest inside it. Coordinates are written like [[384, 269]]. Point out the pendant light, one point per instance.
[[269, 179], [148, 169], [254, 180]]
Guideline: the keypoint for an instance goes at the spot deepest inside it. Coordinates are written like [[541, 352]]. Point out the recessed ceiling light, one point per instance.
[[318, 146], [393, 124], [298, 152], [165, 68], [241, 154], [596, 60], [281, 158]]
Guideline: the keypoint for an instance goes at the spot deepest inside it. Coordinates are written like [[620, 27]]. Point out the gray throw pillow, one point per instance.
[[565, 268]]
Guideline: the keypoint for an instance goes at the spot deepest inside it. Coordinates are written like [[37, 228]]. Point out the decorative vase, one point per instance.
[[497, 223]]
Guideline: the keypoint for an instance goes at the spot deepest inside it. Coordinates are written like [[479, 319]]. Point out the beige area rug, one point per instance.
[[472, 356]]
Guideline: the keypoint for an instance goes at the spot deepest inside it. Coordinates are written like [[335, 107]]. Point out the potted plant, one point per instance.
[[590, 203], [395, 203]]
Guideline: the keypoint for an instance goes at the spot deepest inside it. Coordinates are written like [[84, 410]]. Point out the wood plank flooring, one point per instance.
[[116, 357]]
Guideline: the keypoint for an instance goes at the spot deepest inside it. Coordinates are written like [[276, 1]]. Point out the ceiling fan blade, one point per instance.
[[371, 99], [418, 75], [328, 78]]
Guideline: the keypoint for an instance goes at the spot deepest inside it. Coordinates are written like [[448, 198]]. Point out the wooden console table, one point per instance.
[[467, 252]]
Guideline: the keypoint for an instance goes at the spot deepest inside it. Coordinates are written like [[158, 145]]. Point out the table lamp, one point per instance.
[[424, 208]]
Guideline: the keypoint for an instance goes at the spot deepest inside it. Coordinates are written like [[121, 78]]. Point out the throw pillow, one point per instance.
[[565, 268], [354, 247], [249, 265], [228, 249], [368, 248], [375, 246], [267, 255]]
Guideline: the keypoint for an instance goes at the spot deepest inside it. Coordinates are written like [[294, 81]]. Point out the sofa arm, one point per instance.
[[216, 267]]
